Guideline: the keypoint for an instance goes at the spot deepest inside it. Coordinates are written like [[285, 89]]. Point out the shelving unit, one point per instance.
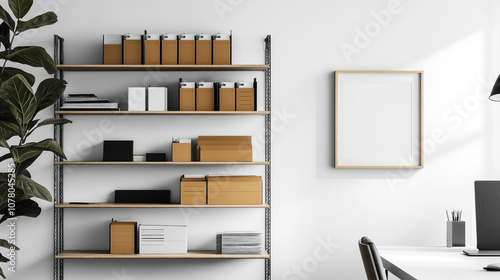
[[59, 205]]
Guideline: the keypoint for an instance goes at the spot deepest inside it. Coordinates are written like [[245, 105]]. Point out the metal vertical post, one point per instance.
[[268, 156], [58, 172]]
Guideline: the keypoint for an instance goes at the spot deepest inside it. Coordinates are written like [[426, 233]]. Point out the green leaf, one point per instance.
[[5, 16], [4, 243], [1, 273], [32, 188], [54, 121], [6, 156], [29, 150], [20, 7], [27, 207], [18, 93], [21, 167], [2, 258], [5, 35], [12, 127], [49, 92], [33, 56], [9, 72], [4, 144], [47, 18]]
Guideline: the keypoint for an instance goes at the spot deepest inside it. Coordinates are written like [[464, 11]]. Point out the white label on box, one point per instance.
[[205, 85], [153, 37], [157, 99], [244, 85], [221, 36], [137, 99], [187, 36], [187, 84], [112, 39], [204, 37], [227, 85], [132, 36], [169, 37]]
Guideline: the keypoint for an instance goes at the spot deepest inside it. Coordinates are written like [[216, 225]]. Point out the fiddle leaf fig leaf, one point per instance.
[[5, 16], [49, 91], [33, 56], [9, 72], [47, 18], [19, 95], [20, 7]]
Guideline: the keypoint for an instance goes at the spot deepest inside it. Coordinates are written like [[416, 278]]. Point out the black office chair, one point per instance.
[[371, 260]]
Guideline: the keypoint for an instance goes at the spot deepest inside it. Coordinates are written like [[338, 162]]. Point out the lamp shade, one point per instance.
[[495, 92]]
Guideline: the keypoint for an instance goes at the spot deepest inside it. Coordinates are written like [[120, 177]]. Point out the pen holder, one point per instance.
[[455, 233]]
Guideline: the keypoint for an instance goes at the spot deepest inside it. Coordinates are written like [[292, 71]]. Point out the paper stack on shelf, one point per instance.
[[88, 102], [239, 243]]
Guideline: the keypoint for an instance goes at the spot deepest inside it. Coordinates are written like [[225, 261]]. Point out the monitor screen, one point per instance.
[[487, 197]]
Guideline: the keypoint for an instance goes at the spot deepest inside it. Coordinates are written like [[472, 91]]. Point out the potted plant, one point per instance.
[[19, 105]]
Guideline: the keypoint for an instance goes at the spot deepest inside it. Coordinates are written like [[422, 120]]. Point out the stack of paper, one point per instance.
[[88, 102], [239, 243]]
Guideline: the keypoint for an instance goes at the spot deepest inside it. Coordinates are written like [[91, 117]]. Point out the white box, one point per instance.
[[162, 239], [157, 99], [137, 99]]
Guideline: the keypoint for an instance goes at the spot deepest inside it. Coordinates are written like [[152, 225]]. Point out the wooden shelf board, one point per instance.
[[161, 163], [183, 113], [195, 254], [150, 205], [120, 67]]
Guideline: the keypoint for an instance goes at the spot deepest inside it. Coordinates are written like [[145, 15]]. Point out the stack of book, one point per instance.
[[88, 102], [239, 243]]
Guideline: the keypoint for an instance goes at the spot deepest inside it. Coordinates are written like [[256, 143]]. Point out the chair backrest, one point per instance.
[[371, 260]]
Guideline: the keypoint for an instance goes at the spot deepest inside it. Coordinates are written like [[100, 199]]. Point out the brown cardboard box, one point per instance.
[[122, 237], [186, 50], [187, 99], [224, 148], [132, 49], [205, 99], [227, 99], [169, 49], [193, 191], [204, 49], [221, 52], [181, 151], [245, 99], [152, 49], [112, 49], [234, 189]]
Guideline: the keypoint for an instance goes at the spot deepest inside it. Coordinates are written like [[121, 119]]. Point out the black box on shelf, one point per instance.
[[142, 196], [118, 150], [156, 157]]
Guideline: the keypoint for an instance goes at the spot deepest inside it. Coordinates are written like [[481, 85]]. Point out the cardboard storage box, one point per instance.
[[186, 49], [169, 49], [162, 239], [221, 54], [181, 150], [234, 189], [112, 49], [205, 98], [245, 96], [151, 49], [227, 97], [187, 96], [204, 49], [224, 148], [193, 190], [132, 49], [122, 237]]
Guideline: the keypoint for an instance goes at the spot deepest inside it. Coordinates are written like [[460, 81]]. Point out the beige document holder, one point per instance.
[[204, 49], [112, 49], [234, 190], [152, 49], [221, 54], [245, 99], [186, 49], [122, 237], [169, 49], [224, 148], [132, 49], [181, 151], [193, 191], [187, 99], [227, 97], [205, 96]]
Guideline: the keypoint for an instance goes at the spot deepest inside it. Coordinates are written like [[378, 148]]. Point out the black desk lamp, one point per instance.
[[495, 92]]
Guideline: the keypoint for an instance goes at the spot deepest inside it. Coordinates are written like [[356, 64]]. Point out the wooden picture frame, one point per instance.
[[379, 119]]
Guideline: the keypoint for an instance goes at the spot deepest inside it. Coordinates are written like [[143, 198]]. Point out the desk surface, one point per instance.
[[436, 263]]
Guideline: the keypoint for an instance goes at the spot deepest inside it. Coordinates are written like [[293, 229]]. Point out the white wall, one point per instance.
[[454, 42]]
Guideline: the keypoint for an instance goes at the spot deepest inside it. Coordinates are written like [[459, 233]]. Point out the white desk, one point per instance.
[[436, 263]]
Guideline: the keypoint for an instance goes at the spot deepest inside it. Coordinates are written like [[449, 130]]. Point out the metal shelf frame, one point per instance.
[[59, 169]]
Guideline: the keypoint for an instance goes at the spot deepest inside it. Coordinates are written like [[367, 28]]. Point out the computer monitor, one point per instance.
[[487, 198]]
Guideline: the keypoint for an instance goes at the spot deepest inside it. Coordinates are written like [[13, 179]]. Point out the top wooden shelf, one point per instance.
[[120, 67]]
